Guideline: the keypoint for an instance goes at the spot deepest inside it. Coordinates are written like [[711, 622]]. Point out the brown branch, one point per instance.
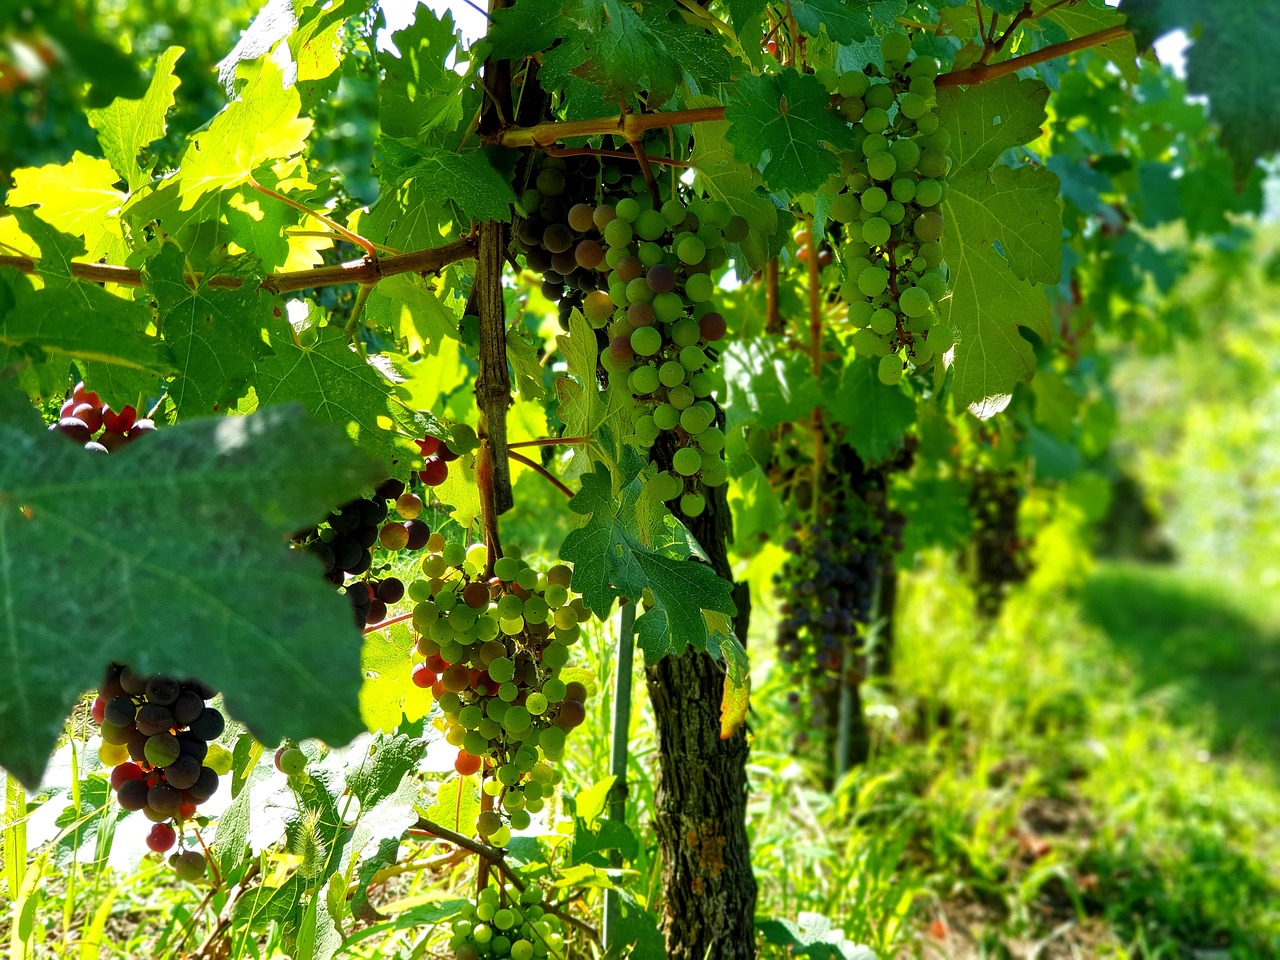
[[1022, 15], [493, 380], [429, 828], [772, 316], [363, 271], [533, 464], [986, 72], [613, 154]]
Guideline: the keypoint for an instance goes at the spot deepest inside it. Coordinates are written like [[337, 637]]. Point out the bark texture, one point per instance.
[[709, 890]]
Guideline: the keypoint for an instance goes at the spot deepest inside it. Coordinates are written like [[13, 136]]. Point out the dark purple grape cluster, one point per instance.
[[999, 556], [828, 587], [346, 539], [156, 734]]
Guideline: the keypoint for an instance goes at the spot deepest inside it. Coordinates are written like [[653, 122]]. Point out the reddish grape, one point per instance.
[[434, 472], [428, 446], [125, 772], [466, 763], [423, 677], [162, 837], [99, 710], [119, 422], [91, 416]]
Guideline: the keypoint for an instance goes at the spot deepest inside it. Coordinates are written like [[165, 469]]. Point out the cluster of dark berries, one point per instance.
[[85, 419]]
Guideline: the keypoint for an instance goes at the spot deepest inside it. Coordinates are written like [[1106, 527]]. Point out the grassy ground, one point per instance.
[[1051, 785]]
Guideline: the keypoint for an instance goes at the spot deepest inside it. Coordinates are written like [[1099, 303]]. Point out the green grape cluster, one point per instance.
[[519, 929], [494, 649], [661, 325], [890, 206]]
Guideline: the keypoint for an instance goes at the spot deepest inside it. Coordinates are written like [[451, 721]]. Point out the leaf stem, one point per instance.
[[549, 442], [383, 624], [329, 222], [533, 464]]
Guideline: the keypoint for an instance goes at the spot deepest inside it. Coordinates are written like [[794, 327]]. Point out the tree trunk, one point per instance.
[[709, 890]]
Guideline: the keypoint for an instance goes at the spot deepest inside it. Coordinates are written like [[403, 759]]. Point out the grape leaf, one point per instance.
[[456, 806], [215, 334], [782, 123], [767, 384], [1003, 238], [185, 532], [845, 21], [51, 320], [874, 416], [79, 198], [331, 380], [584, 409], [610, 562], [527, 27], [611, 47], [419, 94], [740, 186], [700, 54], [261, 126], [813, 935], [124, 127], [1079, 19], [467, 182], [387, 696]]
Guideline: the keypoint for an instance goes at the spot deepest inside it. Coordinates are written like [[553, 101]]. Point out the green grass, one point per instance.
[[1041, 786]]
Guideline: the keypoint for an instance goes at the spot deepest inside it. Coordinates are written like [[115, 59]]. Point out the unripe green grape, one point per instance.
[[879, 96], [853, 84], [564, 619], [503, 669], [674, 212], [691, 250], [693, 358], [928, 193], [876, 231], [906, 152], [874, 144], [828, 77], [920, 324], [681, 396], [645, 341], [671, 373], [860, 310], [651, 254], [843, 208], [516, 720], [884, 321], [926, 67], [933, 164], [686, 461], [893, 213], [711, 440], [692, 504], [930, 253], [699, 288], [889, 369], [501, 837], [876, 120], [914, 301], [666, 416], [922, 351], [913, 105], [638, 291], [714, 470], [667, 307], [928, 124], [895, 46], [628, 209], [650, 225], [924, 88], [536, 610], [702, 384], [852, 109], [903, 189], [551, 740], [869, 343], [882, 166], [686, 332], [694, 420], [928, 226], [618, 233], [933, 283], [853, 268], [873, 201]]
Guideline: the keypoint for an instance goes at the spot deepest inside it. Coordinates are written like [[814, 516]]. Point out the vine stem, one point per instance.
[[534, 465], [548, 442], [362, 271], [615, 154], [815, 359], [619, 739], [632, 125], [369, 249]]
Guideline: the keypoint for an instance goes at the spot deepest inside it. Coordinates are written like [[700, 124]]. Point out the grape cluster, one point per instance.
[[889, 206], [519, 930], [828, 586], [156, 735], [439, 454], [494, 648], [999, 553], [661, 324], [85, 419]]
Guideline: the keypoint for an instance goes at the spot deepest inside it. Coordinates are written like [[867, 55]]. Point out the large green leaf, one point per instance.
[[610, 561], [783, 123], [322, 372], [1003, 238], [214, 334], [175, 549], [874, 417], [126, 126], [419, 94]]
